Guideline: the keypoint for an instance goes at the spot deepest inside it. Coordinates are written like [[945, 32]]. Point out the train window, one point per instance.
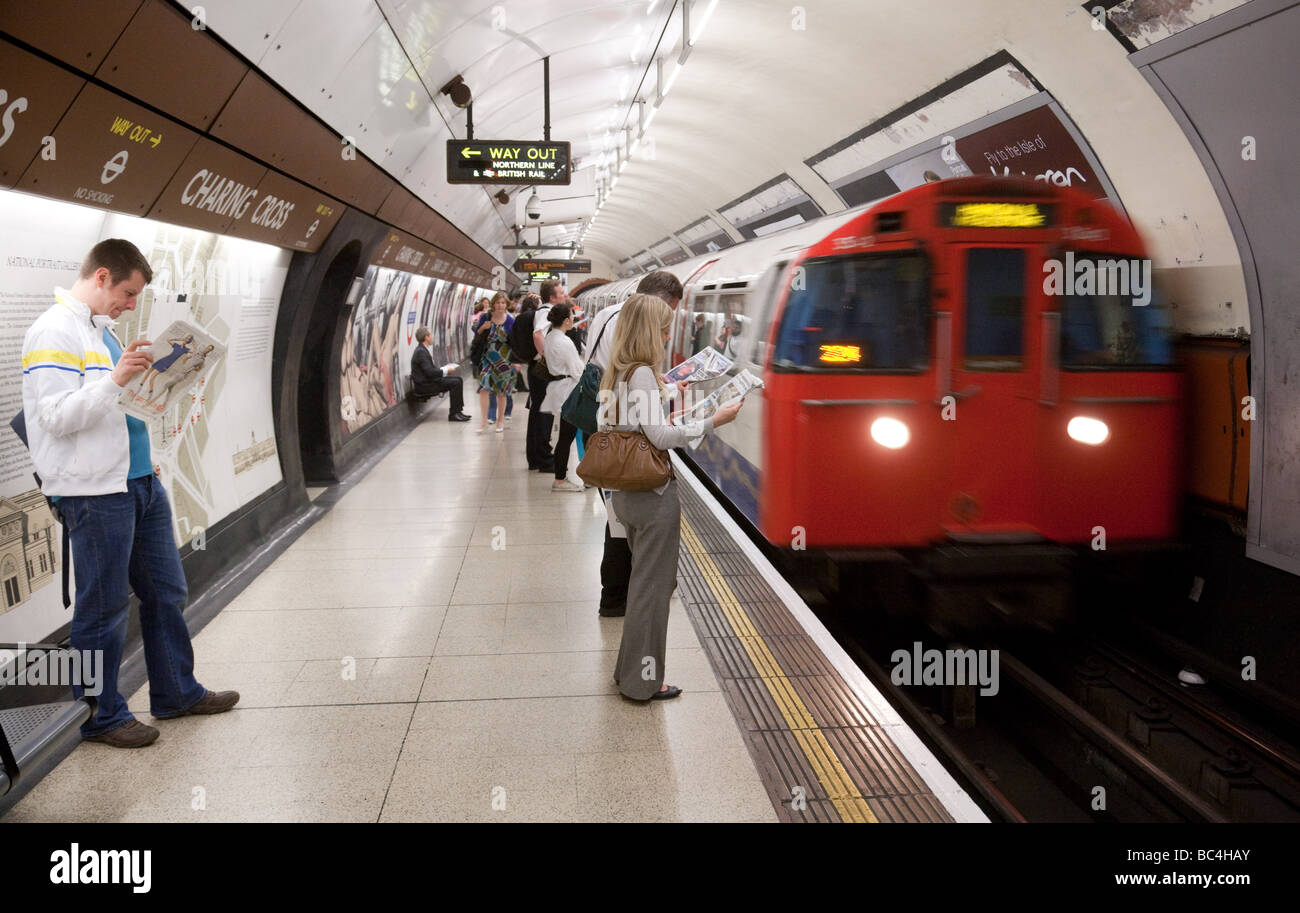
[[995, 309], [1112, 331], [858, 313], [729, 338]]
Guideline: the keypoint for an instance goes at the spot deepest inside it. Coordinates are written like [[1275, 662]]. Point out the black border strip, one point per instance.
[[947, 87]]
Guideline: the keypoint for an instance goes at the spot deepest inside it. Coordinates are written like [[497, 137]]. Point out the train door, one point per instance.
[[993, 410]]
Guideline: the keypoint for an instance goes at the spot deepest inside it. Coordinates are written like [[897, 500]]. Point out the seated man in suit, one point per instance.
[[427, 379]]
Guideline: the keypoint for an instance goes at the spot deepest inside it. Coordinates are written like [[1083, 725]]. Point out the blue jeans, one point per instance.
[[122, 539], [492, 406]]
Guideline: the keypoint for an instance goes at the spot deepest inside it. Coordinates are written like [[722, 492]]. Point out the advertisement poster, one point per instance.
[[380, 339], [214, 447]]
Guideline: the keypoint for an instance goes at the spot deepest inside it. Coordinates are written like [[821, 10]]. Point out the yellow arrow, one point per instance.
[[467, 152]]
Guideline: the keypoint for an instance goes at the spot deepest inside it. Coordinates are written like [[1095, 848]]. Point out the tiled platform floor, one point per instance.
[[428, 651]]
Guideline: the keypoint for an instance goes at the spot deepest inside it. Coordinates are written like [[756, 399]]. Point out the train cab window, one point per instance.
[[995, 309], [856, 313], [1112, 331]]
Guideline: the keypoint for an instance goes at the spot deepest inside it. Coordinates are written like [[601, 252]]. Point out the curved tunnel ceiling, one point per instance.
[[767, 86]]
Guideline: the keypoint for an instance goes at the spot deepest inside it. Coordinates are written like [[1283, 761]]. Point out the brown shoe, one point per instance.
[[133, 734], [214, 702]]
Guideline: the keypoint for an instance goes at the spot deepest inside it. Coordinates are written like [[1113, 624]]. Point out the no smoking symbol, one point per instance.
[[113, 167]]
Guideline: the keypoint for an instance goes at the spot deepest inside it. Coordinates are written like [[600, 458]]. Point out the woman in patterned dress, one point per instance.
[[498, 375]]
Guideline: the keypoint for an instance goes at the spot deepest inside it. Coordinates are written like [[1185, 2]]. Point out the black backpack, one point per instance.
[[521, 339]]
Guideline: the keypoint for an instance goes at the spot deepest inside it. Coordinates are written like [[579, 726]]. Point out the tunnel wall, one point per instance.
[[1248, 151]]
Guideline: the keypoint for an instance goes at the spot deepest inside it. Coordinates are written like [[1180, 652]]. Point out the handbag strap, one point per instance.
[[599, 336], [628, 382]]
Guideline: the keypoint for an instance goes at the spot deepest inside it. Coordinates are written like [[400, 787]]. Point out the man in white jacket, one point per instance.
[[95, 464]]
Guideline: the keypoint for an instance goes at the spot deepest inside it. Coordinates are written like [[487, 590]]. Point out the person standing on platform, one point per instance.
[[651, 519], [566, 365], [427, 379], [616, 563], [95, 464], [530, 339], [498, 377]]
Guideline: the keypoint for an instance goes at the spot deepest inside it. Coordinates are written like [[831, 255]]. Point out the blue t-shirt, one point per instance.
[[137, 431]]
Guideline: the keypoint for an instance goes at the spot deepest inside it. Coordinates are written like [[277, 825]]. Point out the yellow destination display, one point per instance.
[[996, 215], [841, 354]]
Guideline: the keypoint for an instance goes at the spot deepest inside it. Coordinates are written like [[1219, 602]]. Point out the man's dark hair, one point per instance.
[[422, 334], [661, 284], [529, 303], [120, 257], [558, 314], [547, 291], [516, 294]]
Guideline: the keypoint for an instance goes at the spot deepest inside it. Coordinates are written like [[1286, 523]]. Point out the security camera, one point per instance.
[[533, 208]]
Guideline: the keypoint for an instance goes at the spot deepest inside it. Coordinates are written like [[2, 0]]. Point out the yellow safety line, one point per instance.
[[830, 770]]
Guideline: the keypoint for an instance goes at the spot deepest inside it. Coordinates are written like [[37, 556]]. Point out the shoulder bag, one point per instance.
[[624, 461], [579, 410]]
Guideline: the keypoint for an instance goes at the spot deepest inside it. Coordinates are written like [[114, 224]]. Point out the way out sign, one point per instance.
[[506, 162]]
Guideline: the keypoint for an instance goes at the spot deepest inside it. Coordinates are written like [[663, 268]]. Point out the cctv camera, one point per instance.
[[533, 209]]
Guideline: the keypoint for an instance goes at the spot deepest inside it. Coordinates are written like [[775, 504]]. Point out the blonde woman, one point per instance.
[[652, 518]]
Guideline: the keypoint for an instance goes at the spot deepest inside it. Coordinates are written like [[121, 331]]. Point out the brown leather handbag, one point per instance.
[[624, 461]]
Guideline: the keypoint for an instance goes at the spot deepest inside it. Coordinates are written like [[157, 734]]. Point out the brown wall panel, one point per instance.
[[288, 214], [260, 121], [78, 32], [213, 187], [34, 94], [391, 209], [111, 153], [175, 67]]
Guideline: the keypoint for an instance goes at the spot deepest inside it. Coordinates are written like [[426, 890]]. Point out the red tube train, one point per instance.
[[967, 373]]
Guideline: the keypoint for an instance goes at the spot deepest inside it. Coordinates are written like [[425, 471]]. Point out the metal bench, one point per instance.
[[29, 735]]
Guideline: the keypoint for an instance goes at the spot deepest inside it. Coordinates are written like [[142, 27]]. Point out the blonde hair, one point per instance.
[[492, 305], [637, 339]]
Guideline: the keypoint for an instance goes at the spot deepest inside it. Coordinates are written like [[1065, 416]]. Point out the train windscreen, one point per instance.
[[1116, 321], [865, 312]]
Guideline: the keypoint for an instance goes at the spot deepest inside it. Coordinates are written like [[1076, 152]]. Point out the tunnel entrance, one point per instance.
[[314, 374]]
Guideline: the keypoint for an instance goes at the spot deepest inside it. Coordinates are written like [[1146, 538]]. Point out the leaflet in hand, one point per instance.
[[182, 354], [448, 368], [736, 388], [706, 364]]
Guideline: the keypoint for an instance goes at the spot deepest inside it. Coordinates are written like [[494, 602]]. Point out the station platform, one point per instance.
[[430, 650]]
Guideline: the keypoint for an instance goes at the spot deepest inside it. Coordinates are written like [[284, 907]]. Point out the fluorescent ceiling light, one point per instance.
[[672, 78], [697, 27]]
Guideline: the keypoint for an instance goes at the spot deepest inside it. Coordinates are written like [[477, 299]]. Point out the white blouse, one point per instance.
[[561, 358]]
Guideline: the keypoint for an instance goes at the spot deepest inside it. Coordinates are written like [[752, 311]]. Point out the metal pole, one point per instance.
[[546, 95], [469, 122]]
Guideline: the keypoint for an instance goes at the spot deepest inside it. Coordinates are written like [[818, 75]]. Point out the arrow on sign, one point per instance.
[[466, 153], [155, 140]]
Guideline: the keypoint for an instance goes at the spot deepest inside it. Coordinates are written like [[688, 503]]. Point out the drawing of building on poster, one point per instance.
[[28, 557]]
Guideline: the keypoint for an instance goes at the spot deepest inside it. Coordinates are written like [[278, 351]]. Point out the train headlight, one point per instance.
[[890, 432], [1088, 430]]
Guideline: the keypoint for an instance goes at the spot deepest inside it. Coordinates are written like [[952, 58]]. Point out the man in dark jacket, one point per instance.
[[427, 379]]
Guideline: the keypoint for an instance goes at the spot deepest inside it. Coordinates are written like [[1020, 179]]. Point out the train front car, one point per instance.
[[971, 382]]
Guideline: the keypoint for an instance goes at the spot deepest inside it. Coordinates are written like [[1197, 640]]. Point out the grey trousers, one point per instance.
[[654, 529]]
